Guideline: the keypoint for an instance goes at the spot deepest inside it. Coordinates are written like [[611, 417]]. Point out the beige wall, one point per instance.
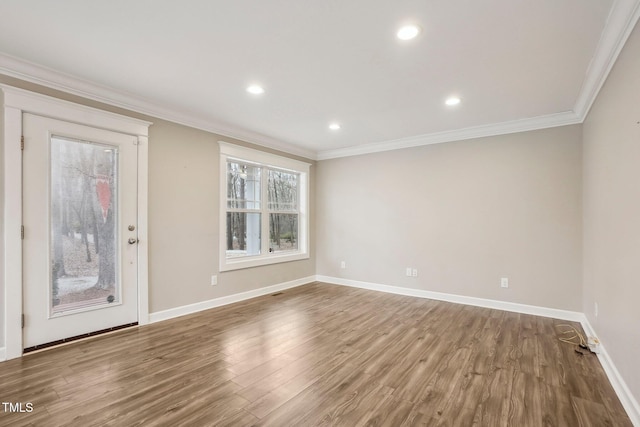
[[183, 223], [464, 214], [183, 216], [612, 214]]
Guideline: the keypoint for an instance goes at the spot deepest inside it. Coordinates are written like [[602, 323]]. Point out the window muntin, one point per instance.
[[244, 194], [264, 208], [282, 202], [243, 185]]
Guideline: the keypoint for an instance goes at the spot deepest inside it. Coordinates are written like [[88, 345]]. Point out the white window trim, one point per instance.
[[231, 151]]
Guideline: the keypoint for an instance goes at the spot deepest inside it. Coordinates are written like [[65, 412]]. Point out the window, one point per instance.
[[264, 208]]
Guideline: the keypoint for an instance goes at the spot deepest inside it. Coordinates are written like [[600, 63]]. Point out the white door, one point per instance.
[[80, 241]]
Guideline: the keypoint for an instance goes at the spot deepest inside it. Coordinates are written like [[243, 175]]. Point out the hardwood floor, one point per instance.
[[319, 355]]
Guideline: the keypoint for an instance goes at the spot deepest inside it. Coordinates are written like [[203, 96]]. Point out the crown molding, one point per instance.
[[622, 19], [33, 73], [514, 126]]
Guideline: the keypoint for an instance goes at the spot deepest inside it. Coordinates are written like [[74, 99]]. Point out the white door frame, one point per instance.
[[15, 103]]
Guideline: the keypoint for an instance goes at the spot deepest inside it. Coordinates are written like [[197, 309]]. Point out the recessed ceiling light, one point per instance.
[[255, 89], [454, 100], [408, 32], [334, 126]]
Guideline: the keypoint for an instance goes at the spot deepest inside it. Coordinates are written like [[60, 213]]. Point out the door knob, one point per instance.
[[132, 240]]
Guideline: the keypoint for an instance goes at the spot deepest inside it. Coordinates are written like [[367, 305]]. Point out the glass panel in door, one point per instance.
[[84, 219]]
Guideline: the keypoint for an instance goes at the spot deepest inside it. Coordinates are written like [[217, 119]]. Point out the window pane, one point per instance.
[[243, 186], [283, 232], [243, 234], [84, 218], [283, 190]]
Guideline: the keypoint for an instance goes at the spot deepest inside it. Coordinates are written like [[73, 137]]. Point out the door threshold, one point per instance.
[[64, 341]]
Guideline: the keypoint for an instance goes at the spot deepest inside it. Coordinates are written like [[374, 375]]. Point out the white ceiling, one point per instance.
[[516, 64]]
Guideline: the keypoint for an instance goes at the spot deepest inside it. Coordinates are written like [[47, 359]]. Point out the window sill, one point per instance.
[[257, 261]]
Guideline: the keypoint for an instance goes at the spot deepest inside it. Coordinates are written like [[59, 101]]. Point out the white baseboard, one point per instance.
[[459, 299], [230, 299], [3, 354], [627, 399]]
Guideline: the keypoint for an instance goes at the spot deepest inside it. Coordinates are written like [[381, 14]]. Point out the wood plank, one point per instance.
[[319, 355], [590, 414]]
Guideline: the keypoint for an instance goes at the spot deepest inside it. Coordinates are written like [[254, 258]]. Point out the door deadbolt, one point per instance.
[[131, 227]]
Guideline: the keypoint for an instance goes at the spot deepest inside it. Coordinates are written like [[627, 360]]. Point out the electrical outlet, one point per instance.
[[504, 282], [414, 272], [595, 309], [409, 271], [214, 280], [343, 264]]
